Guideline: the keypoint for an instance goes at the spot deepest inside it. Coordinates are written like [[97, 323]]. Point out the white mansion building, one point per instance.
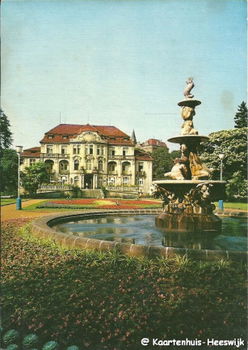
[[91, 157]]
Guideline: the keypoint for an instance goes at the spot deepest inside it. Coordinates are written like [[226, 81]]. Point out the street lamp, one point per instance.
[[221, 156], [18, 199]]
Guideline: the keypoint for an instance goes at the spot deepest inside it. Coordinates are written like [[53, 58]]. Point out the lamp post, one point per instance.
[[18, 199], [221, 156]]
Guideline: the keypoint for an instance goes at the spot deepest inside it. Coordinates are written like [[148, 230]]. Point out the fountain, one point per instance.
[[187, 192]]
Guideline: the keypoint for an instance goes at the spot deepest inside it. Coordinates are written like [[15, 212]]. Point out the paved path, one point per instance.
[[9, 212]]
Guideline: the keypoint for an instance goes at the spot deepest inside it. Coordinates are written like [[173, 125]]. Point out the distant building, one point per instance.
[[152, 144], [91, 157]]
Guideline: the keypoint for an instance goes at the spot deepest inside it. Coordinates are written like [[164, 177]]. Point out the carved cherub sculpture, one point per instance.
[[189, 87], [187, 114]]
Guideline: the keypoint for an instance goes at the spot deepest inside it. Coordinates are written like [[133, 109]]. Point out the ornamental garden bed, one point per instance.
[[110, 301], [99, 204]]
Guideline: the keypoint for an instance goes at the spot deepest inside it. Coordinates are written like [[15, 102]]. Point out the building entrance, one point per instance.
[[88, 181]]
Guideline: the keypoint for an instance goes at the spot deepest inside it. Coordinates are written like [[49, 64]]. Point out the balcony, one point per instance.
[[54, 155]]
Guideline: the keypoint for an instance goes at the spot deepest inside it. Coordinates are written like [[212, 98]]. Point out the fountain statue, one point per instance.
[[187, 193]]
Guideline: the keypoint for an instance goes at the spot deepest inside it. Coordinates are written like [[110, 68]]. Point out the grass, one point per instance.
[[5, 201], [234, 205], [104, 300]]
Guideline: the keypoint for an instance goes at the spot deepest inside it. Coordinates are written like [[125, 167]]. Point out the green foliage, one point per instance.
[[10, 337], [103, 300], [162, 162], [240, 119], [6, 134], [51, 345], [30, 340], [12, 347], [236, 187], [34, 176], [233, 144], [8, 171], [72, 347]]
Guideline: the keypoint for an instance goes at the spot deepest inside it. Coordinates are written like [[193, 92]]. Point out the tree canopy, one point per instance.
[[34, 176], [8, 170], [233, 144], [162, 162], [240, 119], [6, 134]]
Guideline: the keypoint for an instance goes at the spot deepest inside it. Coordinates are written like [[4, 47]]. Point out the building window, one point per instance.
[[31, 161], [76, 149], [125, 151], [49, 166], [111, 152], [49, 149], [140, 166], [111, 181], [111, 167], [88, 165], [76, 181], [76, 164], [63, 149], [100, 165], [126, 168], [141, 181], [125, 180], [63, 165]]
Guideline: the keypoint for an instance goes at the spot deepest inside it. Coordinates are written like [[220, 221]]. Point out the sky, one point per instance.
[[121, 63]]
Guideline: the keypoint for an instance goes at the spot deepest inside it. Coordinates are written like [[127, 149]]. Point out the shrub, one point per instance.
[[50, 345], [12, 347], [10, 337], [30, 340]]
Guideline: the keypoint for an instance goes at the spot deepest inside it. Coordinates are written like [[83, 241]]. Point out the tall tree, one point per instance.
[[34, 176], [233, 144], [162, 162], [5, 133], [8, 171], [240, 119]]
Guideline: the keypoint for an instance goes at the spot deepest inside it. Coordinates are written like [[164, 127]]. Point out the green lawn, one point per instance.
[[233, 205], [106, 300], [5, 201]]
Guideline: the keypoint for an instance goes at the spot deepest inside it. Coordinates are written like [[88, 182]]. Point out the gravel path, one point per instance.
[[9, 212]]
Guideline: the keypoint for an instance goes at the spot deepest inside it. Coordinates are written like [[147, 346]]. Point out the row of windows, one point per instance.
[[89, 149]]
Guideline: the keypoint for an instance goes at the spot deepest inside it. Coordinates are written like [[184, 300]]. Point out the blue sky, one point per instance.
[[121, 63]]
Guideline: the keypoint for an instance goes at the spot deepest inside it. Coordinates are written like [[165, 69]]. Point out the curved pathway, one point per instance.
[[9, 212]]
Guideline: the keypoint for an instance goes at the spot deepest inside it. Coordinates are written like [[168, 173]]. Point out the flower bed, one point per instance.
[[99, 204], [109, 301]]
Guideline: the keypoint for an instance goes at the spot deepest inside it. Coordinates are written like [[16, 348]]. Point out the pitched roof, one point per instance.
[[141, 155], [154, 142], [31, 152], [63, 132]]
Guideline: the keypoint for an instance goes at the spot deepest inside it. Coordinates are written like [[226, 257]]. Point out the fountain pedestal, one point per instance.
[[188, 193]]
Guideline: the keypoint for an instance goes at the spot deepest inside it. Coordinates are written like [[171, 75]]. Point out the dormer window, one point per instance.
[[50, 136], [65, 137]]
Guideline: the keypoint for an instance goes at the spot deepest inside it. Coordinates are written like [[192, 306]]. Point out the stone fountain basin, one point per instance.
[[181, 187], [42, 228]]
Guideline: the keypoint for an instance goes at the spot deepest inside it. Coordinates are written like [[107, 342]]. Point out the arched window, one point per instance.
[[126, 166], [63, 165], [49, 165], [76, 164], [88, 164], [111, 167]]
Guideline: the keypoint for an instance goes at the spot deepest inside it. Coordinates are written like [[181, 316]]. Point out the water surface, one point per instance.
[[141, 229]]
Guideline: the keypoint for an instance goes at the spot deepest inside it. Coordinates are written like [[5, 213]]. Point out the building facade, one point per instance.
[[151, 144], [91, 157]]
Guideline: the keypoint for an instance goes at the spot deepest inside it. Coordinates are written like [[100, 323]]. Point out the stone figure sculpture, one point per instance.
[[189, 87]]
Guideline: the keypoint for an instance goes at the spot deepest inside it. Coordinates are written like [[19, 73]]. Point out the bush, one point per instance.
[[51, 345], [10, 337], [30, 340]]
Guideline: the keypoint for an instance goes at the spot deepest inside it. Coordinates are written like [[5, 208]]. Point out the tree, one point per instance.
[[8, 171], [233, 144], [162, 162], [6, 134], [240, 119], [34, 176]]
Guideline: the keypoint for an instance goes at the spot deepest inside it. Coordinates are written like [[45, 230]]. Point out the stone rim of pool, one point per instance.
[[42, 228]]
